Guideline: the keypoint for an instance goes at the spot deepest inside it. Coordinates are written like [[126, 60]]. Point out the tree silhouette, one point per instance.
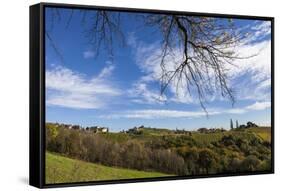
[[231, 124], [205, 45]]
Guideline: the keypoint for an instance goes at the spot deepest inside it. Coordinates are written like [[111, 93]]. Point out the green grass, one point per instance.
[[206, 138], [155, 135], [155, 131], [61, 169], [262, 132]]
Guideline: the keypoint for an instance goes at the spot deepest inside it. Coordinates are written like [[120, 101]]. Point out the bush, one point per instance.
[[251, 163], [207, 159]]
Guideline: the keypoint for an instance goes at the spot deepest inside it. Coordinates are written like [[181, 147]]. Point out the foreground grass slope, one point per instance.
[[61, 169]]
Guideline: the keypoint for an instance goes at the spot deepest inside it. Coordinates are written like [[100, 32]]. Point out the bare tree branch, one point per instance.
[[205, 45]]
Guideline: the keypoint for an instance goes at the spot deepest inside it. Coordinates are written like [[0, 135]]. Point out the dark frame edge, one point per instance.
[[37, 109], [148, 10], [35, 134], [272, 95]]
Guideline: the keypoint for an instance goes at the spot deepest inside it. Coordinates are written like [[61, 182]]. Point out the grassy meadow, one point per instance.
[[60, 169]]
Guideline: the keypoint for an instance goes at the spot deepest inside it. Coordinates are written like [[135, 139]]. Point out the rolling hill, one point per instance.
[[60, 169]]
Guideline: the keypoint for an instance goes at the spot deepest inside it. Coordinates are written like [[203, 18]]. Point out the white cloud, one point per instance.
[[106, 71], [256, 31], [88, 54], [75, 101], [236, 111], [148, 59], [259, 64], [260, 30], [141, 94], [166, 113], [156, 113], [263, 26], [142, 91], [66, 88], [259, 106], [249, 77]]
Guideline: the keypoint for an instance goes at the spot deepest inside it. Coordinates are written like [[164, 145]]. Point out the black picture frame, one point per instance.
[[37, 94]]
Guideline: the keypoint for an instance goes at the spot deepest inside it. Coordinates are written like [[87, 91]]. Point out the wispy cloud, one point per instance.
[[140, 93], [148, 59], [259, 31], [67, 88], [165, 113], [156, 114], [249, 77], [235, 111], [88, 54], [259, 106], [131, 39], [106, 71]]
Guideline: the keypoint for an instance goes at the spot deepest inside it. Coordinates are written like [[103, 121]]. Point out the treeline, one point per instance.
[[179, 155], [95, 148]]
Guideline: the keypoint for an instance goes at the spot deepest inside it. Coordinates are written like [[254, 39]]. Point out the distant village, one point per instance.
[[94, 129], [138, 130]]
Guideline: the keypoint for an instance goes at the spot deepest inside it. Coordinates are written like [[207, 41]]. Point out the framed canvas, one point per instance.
[[122, 95]]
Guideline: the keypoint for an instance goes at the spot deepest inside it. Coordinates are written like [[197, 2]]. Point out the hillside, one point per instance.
[[62, 169], [144, 150], [262, 132], [153, 134]]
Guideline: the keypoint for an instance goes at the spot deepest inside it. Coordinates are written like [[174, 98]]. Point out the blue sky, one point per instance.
[[123, 91]]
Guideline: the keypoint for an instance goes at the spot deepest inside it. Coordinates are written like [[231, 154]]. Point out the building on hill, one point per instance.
[[135, 130], [202, 130], [251, 124], [76, 127], [67, 126], [98, 129], [104, 130]]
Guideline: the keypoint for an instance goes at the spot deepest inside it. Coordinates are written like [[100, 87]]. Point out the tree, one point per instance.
[[207, 159], [51, 131], [231, 124], [203, 44], [190, 156], [74, 143], [199, 48], [51, 135], [237, 125]]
